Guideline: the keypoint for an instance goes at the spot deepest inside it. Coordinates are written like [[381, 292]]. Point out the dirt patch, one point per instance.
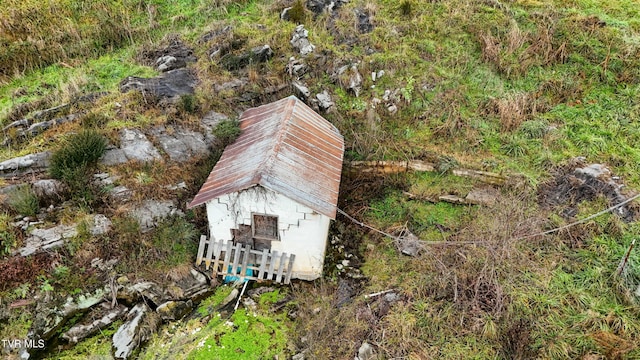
[[576, 182], [516, 340]]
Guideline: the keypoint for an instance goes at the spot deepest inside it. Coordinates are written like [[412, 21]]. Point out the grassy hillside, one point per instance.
[[512, 87]]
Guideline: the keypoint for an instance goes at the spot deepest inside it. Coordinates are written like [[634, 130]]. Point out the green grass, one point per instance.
[[24, 202], [244, 335], [95, 347]]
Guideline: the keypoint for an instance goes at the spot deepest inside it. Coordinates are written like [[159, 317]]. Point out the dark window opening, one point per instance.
[[242, 235], [265, 227]]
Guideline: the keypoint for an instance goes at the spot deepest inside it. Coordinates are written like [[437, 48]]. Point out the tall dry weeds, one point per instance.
[[515, 52], [514, 109]]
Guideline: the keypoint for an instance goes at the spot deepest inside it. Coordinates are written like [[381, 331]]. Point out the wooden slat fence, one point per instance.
[[249, 264]]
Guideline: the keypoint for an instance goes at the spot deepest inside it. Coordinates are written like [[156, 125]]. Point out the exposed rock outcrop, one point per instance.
[[32, 163], [168, 86], [578, 181], [79, 332], [180, 144], [149, 212], [131, 334], [134, 145], [256, 55], [176, 55], [54, 237], [300, 41]]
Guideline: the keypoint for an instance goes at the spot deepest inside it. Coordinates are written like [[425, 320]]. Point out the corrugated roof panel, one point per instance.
[[286, 147]]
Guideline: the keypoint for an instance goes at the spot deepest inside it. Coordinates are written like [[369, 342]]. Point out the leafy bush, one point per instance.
[[226, 132], [24, 201], [79, 152]]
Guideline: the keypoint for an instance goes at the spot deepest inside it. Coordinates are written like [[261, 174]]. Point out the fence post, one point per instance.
[[203, 240]]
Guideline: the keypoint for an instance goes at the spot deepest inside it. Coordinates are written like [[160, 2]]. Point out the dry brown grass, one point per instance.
[[614, 346], [514, 109], [514, 53]]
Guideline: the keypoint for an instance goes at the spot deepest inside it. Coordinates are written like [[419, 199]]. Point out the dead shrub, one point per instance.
[[18, 269], [513, 109], [473, 275], [329, 332]]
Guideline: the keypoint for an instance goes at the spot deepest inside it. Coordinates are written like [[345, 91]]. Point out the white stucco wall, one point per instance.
[[302, 231]]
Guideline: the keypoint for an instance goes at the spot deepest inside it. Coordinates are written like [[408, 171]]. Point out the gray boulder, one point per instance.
[[133, 332], [176, 55], [136, 146], [324, 101], [208, 123], [366, 352], [301, 90], [355, 81], [150, 211], [364, 21], [49, 189], [300, 41], [320, 6]]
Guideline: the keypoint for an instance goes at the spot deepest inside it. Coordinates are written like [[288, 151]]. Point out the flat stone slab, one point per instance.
[[136, 146], [170, 85], [81, 331], [51, 238], [127, 337], [54, 237], [485, 196], [181, 144], [21, 165]]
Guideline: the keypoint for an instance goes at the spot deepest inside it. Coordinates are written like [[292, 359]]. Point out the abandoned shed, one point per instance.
[[276, 187]]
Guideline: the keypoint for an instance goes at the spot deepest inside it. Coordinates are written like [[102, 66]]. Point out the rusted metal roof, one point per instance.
[[286, 147]]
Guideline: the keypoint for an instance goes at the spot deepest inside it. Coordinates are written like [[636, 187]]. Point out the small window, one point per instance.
[[265, 227]]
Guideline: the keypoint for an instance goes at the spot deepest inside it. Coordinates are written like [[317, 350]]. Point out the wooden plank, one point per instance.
[[281, 267], [287, 279], [272, 263], [245, 262], [218, 252], [263, 263], [207, 259], [227, 258], [203, 239], [236, 259]]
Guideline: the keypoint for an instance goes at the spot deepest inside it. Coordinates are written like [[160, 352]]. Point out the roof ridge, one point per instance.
[[268, 163]]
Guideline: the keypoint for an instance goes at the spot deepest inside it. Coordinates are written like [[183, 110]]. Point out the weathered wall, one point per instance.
[[302, 231]]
